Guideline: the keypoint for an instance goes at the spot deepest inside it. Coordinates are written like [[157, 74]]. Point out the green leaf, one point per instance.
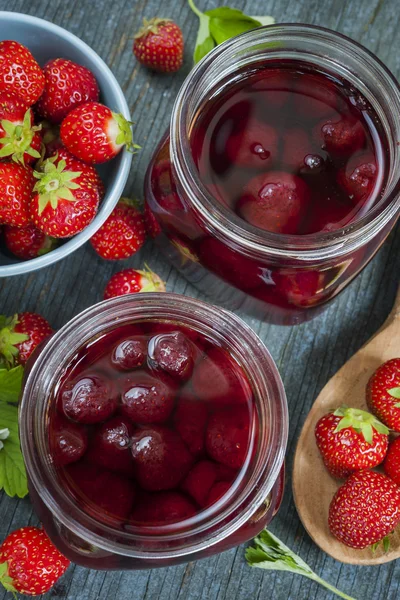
[[12, 468], [270, 553], [203, 48], [221, 24], [10, 385], [395, 392]]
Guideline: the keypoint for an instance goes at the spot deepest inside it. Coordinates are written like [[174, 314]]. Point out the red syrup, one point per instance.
[[291, 150], [152, 424]]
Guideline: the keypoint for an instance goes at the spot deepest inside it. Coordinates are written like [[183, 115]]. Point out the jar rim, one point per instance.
[[45, 373], [235, 231]]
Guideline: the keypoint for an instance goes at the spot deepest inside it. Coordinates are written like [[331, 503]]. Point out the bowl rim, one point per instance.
[[113, 196]]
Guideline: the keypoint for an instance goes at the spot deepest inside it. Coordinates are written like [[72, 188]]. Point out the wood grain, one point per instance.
[[307, 356], [313, 487]]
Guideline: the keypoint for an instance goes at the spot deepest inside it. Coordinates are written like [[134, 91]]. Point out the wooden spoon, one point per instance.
[[313, 487]]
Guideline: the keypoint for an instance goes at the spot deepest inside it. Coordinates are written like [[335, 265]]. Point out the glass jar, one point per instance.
[[246, 508], [281, 278]]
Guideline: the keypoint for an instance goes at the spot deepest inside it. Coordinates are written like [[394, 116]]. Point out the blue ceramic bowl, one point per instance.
[[47, 41]]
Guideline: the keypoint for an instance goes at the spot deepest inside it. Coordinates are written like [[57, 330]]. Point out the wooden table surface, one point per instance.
[[307, 355]]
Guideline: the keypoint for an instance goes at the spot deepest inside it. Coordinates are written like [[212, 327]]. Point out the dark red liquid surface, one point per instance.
[[291, 150], [151, 425]]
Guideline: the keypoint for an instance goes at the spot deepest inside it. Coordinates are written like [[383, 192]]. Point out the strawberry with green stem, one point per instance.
[[16, 185], [383, 393], [21, 141], [159, 45], [30, 563], [95, 134], [270, 553], [66, 196], [351, 440], [20, 335], [132, 281]]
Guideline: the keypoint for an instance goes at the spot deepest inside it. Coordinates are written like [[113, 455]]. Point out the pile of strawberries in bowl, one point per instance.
[[53, 131]]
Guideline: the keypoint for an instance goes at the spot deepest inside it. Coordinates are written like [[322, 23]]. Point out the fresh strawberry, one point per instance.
[[152, 226], [20, 73], [131, 281], [16, 186], [391, 464], [27, 242], [123, 234], [351, 440], [20, 141], [160, 508], [383, 393], [275, 201], [159, 45], [67, 196], [67, 85], [12, 109], [200, 480], [29, 562], [95, 134], [19, 336], [365, 509]]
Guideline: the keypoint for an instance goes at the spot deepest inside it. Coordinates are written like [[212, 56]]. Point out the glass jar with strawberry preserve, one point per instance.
[[153, 429], [279, 177]]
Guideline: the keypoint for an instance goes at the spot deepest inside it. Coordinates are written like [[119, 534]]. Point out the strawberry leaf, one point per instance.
[[361, 421], [10, 385], [270, 553], [12, 468], [395, 392], [221, 24]]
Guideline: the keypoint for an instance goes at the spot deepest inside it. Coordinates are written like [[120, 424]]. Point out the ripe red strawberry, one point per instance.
[[365, 509], [12, 108], [19, 140], [16, 185], [159, 45], [383, 393], [153, 229], [95, 134], [123, 234], [29, 562], [67, 196], [20, 73], [131, 281], [351, 440], [19, 336], [27, 242], [391, 464], [67, 85]]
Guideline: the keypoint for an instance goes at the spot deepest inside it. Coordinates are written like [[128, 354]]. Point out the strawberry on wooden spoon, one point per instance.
[[159, 45], [383, 393], [19, 72], [67, 196], [123, 234], [131, 281], [95, 134], [365, 509], [29, 562], [20, 335], [351, 440]]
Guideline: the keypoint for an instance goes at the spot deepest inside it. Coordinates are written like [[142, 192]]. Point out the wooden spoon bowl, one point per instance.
[[313, 487]]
